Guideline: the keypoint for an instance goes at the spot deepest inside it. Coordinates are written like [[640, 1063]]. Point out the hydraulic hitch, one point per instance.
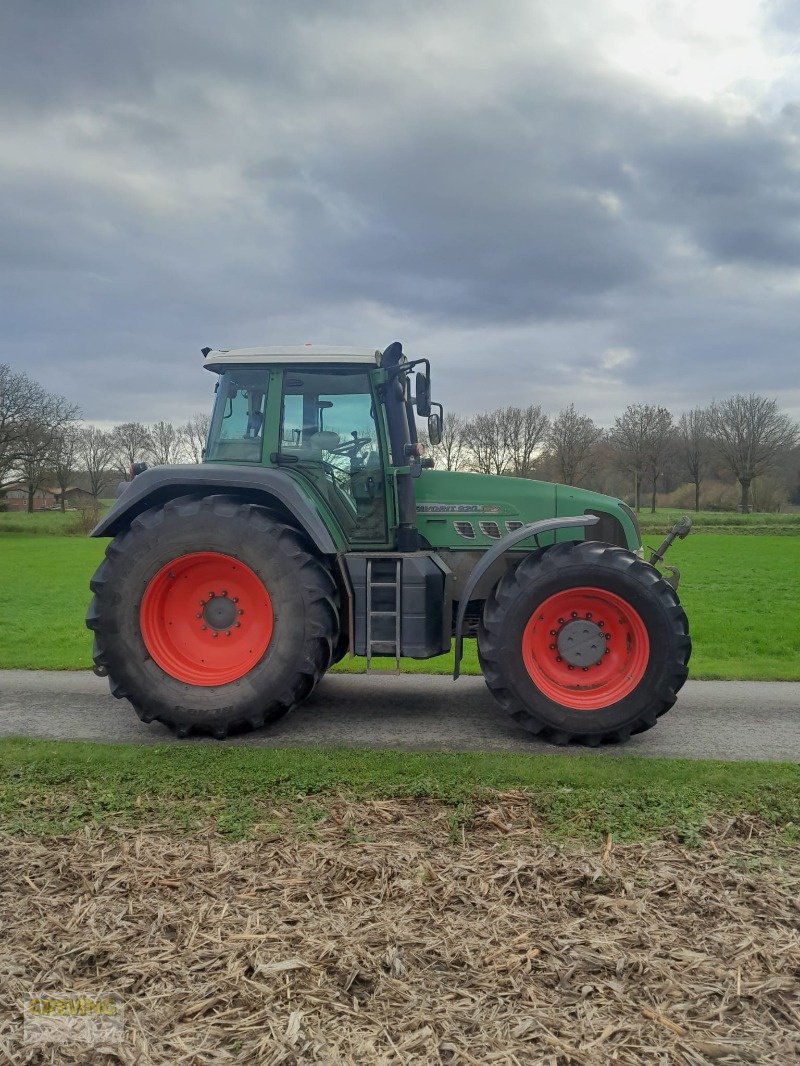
[[679, 531]]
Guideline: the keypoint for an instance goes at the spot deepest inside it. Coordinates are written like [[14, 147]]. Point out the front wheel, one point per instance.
[[584, 642]]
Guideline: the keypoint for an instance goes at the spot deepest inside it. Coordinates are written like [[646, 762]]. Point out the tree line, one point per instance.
[[739, 440], [43, 442]]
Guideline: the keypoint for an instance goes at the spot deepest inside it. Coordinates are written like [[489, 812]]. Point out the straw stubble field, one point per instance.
[[394, 935]]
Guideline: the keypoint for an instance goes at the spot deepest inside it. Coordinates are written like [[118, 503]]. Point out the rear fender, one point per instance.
[[533, 529], [261, 485]]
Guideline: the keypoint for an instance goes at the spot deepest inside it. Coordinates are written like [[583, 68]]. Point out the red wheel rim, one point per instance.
[[613, 622], [206, 619]]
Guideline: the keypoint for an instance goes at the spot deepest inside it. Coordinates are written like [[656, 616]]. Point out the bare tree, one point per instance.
[[131, 445], [165, 444], [37, 445], [658, 446], [28, 414], [36, 458], [486, 439], [573, 439], [524, 428], [96, 453], [751, 434], [21, 400], [695, 447], [628, 437], [452, 452], [194, 434], [65, 459]]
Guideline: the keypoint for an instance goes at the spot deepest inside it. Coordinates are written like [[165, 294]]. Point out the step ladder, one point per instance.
[[383, 646]]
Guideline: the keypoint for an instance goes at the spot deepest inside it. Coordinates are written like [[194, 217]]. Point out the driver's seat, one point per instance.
[[325, 440], [314, 446]]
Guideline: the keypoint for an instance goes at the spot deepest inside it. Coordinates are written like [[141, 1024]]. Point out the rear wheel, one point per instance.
[[584, 642], [212, 615]]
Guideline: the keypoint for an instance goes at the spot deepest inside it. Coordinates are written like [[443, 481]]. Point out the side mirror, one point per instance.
[[423, 394], [435, 428]]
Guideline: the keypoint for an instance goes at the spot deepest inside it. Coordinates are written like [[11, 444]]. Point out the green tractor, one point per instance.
[[316, 527]]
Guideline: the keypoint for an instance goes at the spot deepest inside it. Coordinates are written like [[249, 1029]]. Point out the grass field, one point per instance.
[[720, 522], [48, 523], [45, 523], [740, 593], [50, 787]]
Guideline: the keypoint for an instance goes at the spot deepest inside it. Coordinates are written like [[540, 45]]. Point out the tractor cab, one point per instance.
[[342, 420]]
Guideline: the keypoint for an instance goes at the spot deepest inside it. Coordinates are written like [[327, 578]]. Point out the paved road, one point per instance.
[[712, 719]]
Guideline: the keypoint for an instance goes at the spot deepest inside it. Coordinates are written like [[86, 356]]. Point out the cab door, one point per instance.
[[332, 432]]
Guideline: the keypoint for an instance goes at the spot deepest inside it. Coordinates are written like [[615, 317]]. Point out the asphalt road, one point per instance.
[[711, 720]]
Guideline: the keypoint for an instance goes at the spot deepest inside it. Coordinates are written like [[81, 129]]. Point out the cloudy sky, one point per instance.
[[585, 201]]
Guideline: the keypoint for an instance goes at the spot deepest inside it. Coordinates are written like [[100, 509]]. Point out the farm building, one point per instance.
[[15, 498], [74, 496]]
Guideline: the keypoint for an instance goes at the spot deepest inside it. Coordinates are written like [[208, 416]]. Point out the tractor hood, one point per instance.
[[471, 511]]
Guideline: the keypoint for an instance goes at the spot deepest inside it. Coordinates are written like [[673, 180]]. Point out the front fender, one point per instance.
[[153, 487], [533, 529]]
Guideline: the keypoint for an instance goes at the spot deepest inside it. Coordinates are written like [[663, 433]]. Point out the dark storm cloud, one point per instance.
[[184, 173]]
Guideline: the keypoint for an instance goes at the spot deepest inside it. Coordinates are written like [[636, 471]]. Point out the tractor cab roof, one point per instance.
[[297, 355]]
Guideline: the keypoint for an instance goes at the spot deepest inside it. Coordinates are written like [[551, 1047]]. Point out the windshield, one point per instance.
[[237, 425]]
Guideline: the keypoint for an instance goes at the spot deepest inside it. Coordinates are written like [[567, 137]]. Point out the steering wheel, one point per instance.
[[350, 448]]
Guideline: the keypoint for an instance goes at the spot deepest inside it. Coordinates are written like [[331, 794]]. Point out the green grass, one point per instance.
[[741, 595], [52, 523], [719, 522], [48, 523], [49, 787], [44, 591]]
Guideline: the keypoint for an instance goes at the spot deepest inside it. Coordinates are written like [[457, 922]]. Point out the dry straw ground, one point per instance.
[[395, 935]]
